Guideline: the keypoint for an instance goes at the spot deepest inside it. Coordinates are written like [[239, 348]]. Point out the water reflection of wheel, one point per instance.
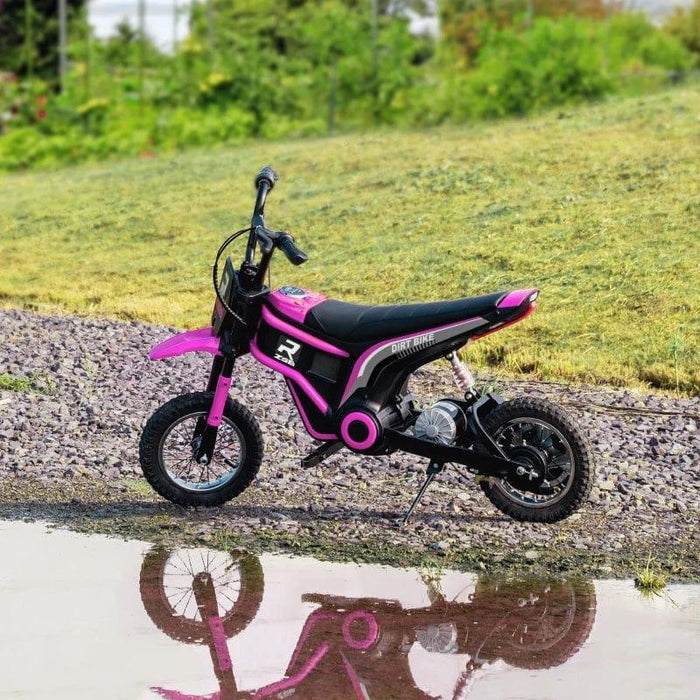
[[440, 638], [167, 593], [542, 623]]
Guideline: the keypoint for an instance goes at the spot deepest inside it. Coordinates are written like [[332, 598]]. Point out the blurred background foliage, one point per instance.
[[279, 68]]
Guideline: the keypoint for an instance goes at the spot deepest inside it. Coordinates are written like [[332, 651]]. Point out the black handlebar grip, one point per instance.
[[268, 175], [295, 255]]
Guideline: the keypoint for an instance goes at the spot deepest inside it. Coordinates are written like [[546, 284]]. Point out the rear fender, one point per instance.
[[199, 340]]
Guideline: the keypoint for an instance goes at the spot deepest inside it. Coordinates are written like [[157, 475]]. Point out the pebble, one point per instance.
[[103, 388]]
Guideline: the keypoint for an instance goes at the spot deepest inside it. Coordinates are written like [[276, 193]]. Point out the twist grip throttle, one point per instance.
[[295, 255]]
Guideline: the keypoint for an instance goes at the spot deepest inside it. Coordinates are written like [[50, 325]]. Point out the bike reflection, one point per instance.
[[361, 648]]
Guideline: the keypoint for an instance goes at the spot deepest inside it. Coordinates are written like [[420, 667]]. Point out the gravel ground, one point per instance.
[[100, 388]]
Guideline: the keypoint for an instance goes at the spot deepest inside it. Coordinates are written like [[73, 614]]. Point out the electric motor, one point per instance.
[[443, 422]]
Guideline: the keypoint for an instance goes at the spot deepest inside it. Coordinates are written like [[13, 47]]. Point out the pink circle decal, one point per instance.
[[372, 630], [372, 433]]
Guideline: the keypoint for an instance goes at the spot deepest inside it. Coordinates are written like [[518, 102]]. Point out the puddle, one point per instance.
[[92, 617]]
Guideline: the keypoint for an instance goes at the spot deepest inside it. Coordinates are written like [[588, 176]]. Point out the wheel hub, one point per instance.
[[531, 471]]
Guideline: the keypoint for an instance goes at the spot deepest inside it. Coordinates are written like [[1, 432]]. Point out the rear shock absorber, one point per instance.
[[463, 377]]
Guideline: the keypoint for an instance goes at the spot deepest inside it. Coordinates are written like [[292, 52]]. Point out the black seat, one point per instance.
[[356, 323]]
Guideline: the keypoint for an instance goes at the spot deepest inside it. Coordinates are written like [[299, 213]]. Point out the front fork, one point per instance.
[[205, 432], [205, 598]]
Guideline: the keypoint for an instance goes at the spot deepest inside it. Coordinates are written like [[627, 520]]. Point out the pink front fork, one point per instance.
[[216, 412]]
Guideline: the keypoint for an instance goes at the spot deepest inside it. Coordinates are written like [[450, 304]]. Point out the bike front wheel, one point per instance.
[[170, 440], [167, 585]]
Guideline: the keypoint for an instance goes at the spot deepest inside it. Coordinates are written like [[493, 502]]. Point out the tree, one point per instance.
[[128, 48], [299, 58], [29, 37], [467, 24], [684, 24]]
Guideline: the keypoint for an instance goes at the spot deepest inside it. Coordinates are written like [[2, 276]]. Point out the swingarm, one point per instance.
[[483, 464], [490, 460]]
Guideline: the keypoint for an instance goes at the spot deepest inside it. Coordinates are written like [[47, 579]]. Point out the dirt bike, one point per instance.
[[347, 368], [360, 648]]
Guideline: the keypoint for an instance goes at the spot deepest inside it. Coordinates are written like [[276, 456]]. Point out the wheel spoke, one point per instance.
[[177, 448], [182, 597], [178, 586], [225, 595], [543, 434], [547, 447]]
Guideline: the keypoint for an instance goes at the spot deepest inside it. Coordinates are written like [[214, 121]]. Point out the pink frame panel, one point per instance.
[[516, 298], [285, 370], [297, 333], [305, 419]]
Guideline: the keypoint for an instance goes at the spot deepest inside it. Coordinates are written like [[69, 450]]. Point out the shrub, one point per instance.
[[632, 38], [554, 63], [191, 127], [93, 113], [23, 102], [684, 25], [324, 55]]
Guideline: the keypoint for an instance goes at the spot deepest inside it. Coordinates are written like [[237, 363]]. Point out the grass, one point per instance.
[[432, 571], [598, 206], [34, 383], [650, 580]]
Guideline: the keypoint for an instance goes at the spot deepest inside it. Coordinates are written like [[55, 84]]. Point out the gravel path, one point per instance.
[[100, 389]]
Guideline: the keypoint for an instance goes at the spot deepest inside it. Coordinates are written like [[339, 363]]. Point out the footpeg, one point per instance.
[[434, 468], [321, 453]]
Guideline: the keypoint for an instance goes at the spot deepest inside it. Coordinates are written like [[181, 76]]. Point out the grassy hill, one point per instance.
[[598, 206]]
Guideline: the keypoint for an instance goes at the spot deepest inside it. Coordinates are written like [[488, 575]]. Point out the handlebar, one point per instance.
[[268, 175], [282, 240], [264, 182], [263, 238], [295, 255]]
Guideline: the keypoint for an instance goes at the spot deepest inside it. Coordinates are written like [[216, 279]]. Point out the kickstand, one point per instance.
[[434, 468]]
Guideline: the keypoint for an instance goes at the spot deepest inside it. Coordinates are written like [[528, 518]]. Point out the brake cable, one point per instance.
[[215, 271]]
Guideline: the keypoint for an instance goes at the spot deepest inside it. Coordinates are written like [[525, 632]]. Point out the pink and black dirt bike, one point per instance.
[[347, 368]]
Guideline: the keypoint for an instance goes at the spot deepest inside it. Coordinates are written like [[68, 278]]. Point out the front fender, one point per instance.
[[199, 340]]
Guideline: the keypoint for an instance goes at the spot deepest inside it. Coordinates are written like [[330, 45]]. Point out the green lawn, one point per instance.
[[598, 206]]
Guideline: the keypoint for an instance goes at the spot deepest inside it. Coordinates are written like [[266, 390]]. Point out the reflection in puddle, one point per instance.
[[360, 647], [91, 617]]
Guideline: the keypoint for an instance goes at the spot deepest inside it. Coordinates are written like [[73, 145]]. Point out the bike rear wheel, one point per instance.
[[557, 473]]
